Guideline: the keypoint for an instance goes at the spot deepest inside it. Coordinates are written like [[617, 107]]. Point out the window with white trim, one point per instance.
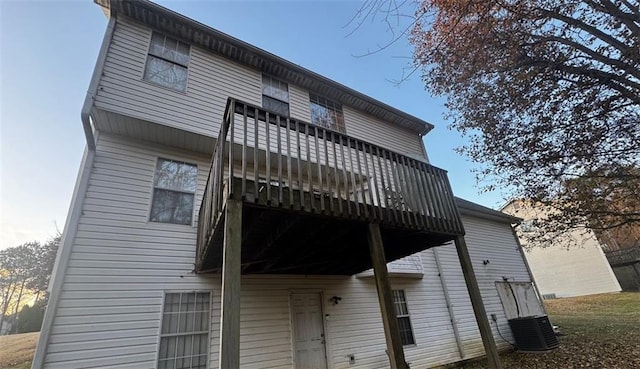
[[174, 188], [404, 320], [326, 113], [184, 338], [167, 62], [275, 95]]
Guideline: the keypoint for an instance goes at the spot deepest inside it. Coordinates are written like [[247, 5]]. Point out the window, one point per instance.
[[275, 95], [167, 62], [404, 321], [184, 338], [326, 113], [174, 192]]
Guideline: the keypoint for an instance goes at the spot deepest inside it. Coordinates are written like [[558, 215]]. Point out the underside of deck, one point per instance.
[[281, 242], [279, 238]]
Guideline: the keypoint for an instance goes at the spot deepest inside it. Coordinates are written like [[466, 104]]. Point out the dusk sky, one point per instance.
[[49, 49]]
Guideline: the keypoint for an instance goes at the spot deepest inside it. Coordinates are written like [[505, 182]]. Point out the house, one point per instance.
[[230, 206], [561, 269]]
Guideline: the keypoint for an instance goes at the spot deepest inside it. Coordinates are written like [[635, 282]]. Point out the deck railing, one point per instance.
[[265, 158]]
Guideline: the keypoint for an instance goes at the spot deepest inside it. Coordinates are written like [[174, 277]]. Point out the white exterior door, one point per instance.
[[308, 331]]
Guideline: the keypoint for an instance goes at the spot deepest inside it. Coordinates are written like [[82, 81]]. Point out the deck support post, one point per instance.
[[385, 298], [229, 353], [489, 343]]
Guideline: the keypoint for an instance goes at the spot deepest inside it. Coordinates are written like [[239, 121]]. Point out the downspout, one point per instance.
[[85, 113], [424, 148], [75, 208], [447, 299]]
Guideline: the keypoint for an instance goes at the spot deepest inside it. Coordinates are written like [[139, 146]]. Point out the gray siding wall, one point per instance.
[[121, 265], [211, 81]]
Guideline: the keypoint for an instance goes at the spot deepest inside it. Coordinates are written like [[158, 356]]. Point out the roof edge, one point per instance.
[[471, 208]]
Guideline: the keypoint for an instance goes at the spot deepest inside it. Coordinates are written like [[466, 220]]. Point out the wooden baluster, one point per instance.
[[335, 172], [436, 197], [411, 192], [256, 162], [312, 205], [398, 188], [424, 195], [389, 189], [279, 144], [361, 179], [459, 227], [267, 155], [445, 196], [244, 152], [300, 182], [325, 138], [319, 167], [289, 173], [231, 141], [370, 183], [353, 179], [374, 183], [345, 176], [380, 187]]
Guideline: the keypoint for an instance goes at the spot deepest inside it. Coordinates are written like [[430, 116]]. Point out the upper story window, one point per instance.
[[174, 189], [326, 113], [167, 62], [404, 320], [275, 95]]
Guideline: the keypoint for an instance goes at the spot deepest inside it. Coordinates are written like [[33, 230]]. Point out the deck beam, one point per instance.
[[385, 298]]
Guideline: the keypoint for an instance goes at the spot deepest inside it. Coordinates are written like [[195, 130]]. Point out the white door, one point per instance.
[[308, 331]]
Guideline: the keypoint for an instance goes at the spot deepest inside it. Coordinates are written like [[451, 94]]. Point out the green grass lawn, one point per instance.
[[600, 332]]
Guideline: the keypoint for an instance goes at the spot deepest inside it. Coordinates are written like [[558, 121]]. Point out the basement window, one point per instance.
[[404, 320], [326, 113], [184, 338], [174, 189], [167, 62], [275, 95]]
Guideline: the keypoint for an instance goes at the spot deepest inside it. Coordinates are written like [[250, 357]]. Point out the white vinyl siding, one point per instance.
[[212, 80], [577, 271], [384, 134], [121, 265]]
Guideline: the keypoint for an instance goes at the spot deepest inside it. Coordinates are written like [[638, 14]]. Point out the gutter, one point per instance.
[[75, 209]]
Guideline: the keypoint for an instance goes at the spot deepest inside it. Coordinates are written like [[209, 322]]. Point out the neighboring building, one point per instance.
[[560, 269], [165, 217]]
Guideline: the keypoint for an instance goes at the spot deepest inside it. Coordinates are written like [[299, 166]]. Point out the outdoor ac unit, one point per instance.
[[533, 333]]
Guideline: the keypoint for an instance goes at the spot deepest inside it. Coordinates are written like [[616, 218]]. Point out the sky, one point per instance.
[[48, 50]]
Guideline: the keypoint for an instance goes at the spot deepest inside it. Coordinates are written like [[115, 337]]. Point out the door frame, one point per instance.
[[323, 308]]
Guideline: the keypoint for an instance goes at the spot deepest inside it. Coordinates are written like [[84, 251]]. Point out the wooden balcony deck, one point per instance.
[[315, 193]]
